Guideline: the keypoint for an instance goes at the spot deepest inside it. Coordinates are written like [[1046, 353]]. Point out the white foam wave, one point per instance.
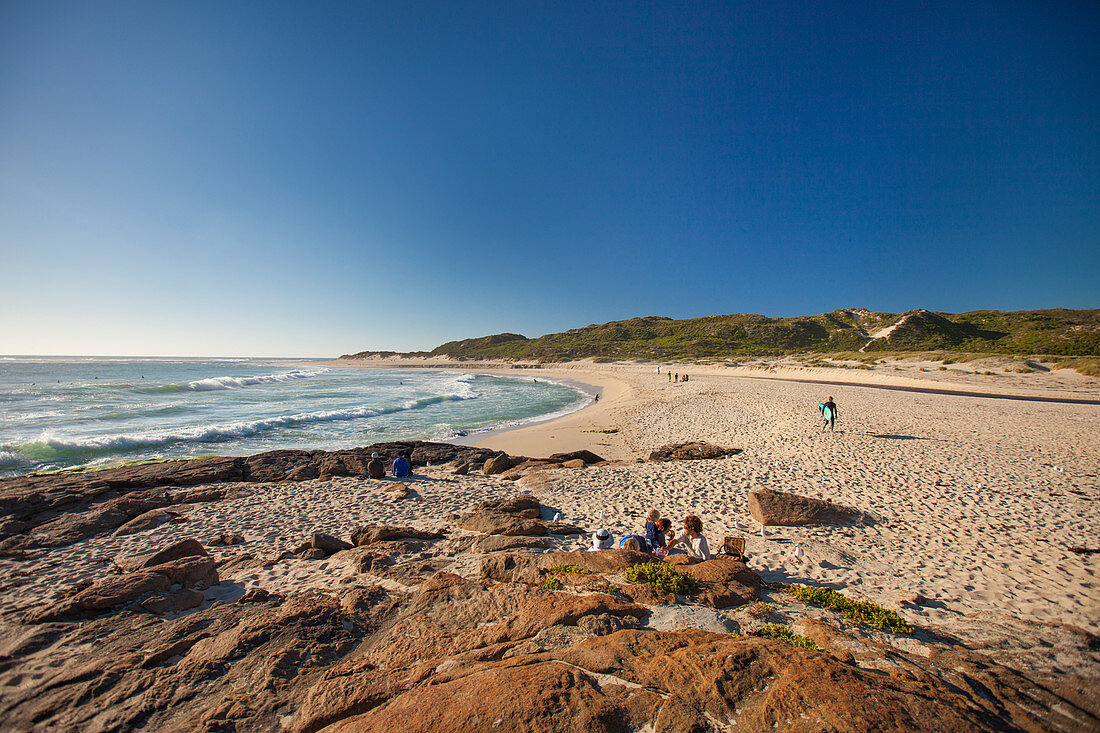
[[219, 383]]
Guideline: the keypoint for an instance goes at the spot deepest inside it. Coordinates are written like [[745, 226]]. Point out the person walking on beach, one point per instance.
[[401, 466], [375, 467], [828, 411]]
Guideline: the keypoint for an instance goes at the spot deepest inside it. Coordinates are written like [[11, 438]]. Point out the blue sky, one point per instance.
[[310, 179]]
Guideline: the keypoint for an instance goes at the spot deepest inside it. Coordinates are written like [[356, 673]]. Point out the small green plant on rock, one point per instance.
[[863, 613], [776, 631], [662, 577], [550, 583], [606, 587], [760, 609], [569, 570]]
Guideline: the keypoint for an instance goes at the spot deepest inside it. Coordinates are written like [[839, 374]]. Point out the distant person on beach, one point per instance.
[[401, 466], [597, 397], [828, 411], [670, 376], [692, 540], [375, 468]]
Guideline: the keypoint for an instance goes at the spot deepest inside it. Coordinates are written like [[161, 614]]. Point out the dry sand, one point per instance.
[[976, 500]]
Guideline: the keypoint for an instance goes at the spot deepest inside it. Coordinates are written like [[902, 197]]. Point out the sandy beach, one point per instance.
[[976, 501]]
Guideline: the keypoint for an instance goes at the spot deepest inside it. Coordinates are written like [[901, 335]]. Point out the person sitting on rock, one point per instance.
[[667, 537], [601, 540], [375, 468], [651, 531], [401, 466], [692, 540]]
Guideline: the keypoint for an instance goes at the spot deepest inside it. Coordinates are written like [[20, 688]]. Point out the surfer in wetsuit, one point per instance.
[[828, 411]]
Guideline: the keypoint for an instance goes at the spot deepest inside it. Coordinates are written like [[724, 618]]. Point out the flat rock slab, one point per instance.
[[371, 534], [691, 451], [521, 505], [183, 548], [490, 522], [779, 508]]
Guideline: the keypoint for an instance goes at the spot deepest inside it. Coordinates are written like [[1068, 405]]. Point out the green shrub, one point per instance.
[[606, 588], [760, 609], [863, 613], [569, 570], [776, 631], [663, 577], [550, 583]]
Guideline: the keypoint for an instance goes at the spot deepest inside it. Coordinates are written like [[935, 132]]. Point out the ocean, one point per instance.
[[62, 412]]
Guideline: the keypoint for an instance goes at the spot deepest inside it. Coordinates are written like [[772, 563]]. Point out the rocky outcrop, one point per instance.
[[52, 510], [184, 564], [781, 508], [691, 451], [464, 655]]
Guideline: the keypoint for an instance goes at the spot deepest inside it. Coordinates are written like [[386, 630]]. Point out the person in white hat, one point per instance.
[[376, 469], [601, 540]]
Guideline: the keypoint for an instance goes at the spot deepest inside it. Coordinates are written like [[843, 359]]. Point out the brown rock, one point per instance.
[[512, 474], [497, 464], [197, 571], [183, 548], [149, 520], [370, 534], [521, 505], [725, 583], [490, 522], [584, 455], [499, 543], [303, 473], [575, 463], [180, 600], [328, 543], [527, 568], [462, 469], [691, 451], [781, 508], [398, 491]]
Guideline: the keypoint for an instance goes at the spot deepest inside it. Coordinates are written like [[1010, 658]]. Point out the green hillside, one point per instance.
[[1058, 331]]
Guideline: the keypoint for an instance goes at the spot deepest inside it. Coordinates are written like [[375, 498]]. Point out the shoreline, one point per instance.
[[583, 428]]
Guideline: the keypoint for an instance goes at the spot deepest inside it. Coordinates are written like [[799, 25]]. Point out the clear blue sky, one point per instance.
[[309, 179]]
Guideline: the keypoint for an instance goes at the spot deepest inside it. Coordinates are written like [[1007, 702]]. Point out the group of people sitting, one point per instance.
[[402, 468], [660, 538]]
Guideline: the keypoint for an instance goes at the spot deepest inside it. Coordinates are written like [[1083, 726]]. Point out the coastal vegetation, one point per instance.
[[863, 613], [662, 577], [856, 334], [776, 631]]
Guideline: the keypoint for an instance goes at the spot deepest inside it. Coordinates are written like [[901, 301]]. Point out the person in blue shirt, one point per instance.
[[651, 531], [401, 466]]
